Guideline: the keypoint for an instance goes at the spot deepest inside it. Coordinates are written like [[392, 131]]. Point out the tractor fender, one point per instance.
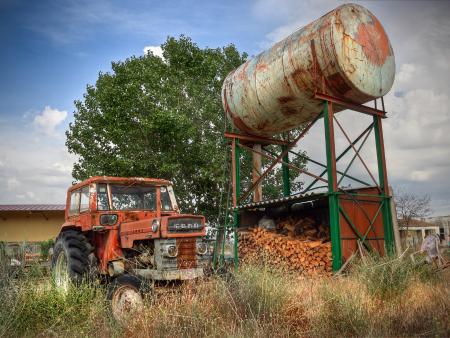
[[70, 226]]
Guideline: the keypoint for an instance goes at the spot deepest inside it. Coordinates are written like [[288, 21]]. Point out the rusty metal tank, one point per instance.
[[345, 53]]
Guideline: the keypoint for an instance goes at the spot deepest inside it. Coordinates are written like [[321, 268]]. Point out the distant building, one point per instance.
[[413, 233], [443, 222], [21, 223]]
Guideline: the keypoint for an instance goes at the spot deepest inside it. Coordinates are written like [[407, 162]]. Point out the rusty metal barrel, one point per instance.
[[345, 53]]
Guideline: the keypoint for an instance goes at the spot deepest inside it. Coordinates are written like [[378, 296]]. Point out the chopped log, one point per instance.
[[301, 245]]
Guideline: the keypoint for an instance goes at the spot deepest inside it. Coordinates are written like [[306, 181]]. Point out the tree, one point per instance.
[[159, 117], [410, 205]]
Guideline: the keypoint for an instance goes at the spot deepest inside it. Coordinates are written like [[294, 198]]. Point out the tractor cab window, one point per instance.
[[84, 199], [74, 203], [102, 197], [166, 204], [133, 197]]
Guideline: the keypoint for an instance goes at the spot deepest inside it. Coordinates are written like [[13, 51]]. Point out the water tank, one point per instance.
[[346, 53]]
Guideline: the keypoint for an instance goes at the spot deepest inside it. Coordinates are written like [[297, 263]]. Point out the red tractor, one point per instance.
[[127, 231]]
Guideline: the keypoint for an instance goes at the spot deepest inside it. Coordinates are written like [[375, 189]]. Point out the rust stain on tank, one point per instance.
[[242, 75], [368, 32], [344, 53], [285, 99], [338, 84], [299, 77], [261, 67], [237, 122]]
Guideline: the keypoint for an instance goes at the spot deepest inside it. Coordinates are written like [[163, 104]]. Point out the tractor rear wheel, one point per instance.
[[125, 295], [70, 261]]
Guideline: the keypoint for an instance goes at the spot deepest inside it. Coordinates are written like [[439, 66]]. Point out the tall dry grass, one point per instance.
[[382, 297]]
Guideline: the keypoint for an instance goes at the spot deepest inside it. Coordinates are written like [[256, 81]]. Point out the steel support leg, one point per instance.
[[333, 198], [237, 192], [285, 171], [382, 176]]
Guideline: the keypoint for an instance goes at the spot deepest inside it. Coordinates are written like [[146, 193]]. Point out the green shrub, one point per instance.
[[45, 248], [387, 277], [259, 293], [343, 310]]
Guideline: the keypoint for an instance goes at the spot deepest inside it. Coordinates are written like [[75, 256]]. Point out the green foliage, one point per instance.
[[259, 293], [163, 118], [343, 313], [3, 253], [45, 247], [159, 118]]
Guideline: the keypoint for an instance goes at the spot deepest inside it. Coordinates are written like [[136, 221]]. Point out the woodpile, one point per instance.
[[299, 245]]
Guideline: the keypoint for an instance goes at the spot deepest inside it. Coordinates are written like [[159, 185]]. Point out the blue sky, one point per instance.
[[52, 49]]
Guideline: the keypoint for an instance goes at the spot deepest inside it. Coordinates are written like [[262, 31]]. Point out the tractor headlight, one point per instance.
[[155, 225], [108, 219], [170, 251], [211, 248], [202, 248]]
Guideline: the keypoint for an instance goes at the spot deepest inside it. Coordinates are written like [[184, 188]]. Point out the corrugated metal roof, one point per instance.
[[32, 207], [415, 223]]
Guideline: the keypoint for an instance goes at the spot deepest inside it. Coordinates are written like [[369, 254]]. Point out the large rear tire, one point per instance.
[[70, 260]]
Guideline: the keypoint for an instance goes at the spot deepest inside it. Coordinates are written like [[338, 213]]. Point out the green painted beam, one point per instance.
[[382, 177], [285, 172], [324, 166], [346, 150], [333, 200], [236, 215]]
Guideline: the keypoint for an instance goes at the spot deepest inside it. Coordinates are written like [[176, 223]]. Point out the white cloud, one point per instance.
[[35, 169], [30, 195], [420, 175], [291, 14], [155, 50], [12, 183], [61, 167], [407, 72], [49, 119]]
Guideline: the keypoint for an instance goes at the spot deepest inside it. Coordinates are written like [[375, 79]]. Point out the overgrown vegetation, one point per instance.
[[381, 297]]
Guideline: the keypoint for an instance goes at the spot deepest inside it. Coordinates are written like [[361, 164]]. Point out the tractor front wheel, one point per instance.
[[124, 293]]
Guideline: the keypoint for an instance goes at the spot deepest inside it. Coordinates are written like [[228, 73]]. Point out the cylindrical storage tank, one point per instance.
[[346, 53]]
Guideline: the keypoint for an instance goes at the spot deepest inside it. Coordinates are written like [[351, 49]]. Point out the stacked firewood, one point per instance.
[[299, 245]]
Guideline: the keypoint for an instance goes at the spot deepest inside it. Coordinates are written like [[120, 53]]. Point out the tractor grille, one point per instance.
[[185, 225], [187, 256]]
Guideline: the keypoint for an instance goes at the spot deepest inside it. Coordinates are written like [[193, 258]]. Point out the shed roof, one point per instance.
[[32, 207], [416, 223]]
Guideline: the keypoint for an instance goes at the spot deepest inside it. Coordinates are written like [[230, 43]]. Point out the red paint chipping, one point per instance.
[[337, 84], [237, 122], [261, 67], [374, 41], [285, 99]]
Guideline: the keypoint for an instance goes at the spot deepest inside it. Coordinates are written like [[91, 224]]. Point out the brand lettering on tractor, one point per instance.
[[186, 226]]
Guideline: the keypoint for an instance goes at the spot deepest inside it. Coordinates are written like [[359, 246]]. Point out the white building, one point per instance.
[[443, 222], [413, 233]]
